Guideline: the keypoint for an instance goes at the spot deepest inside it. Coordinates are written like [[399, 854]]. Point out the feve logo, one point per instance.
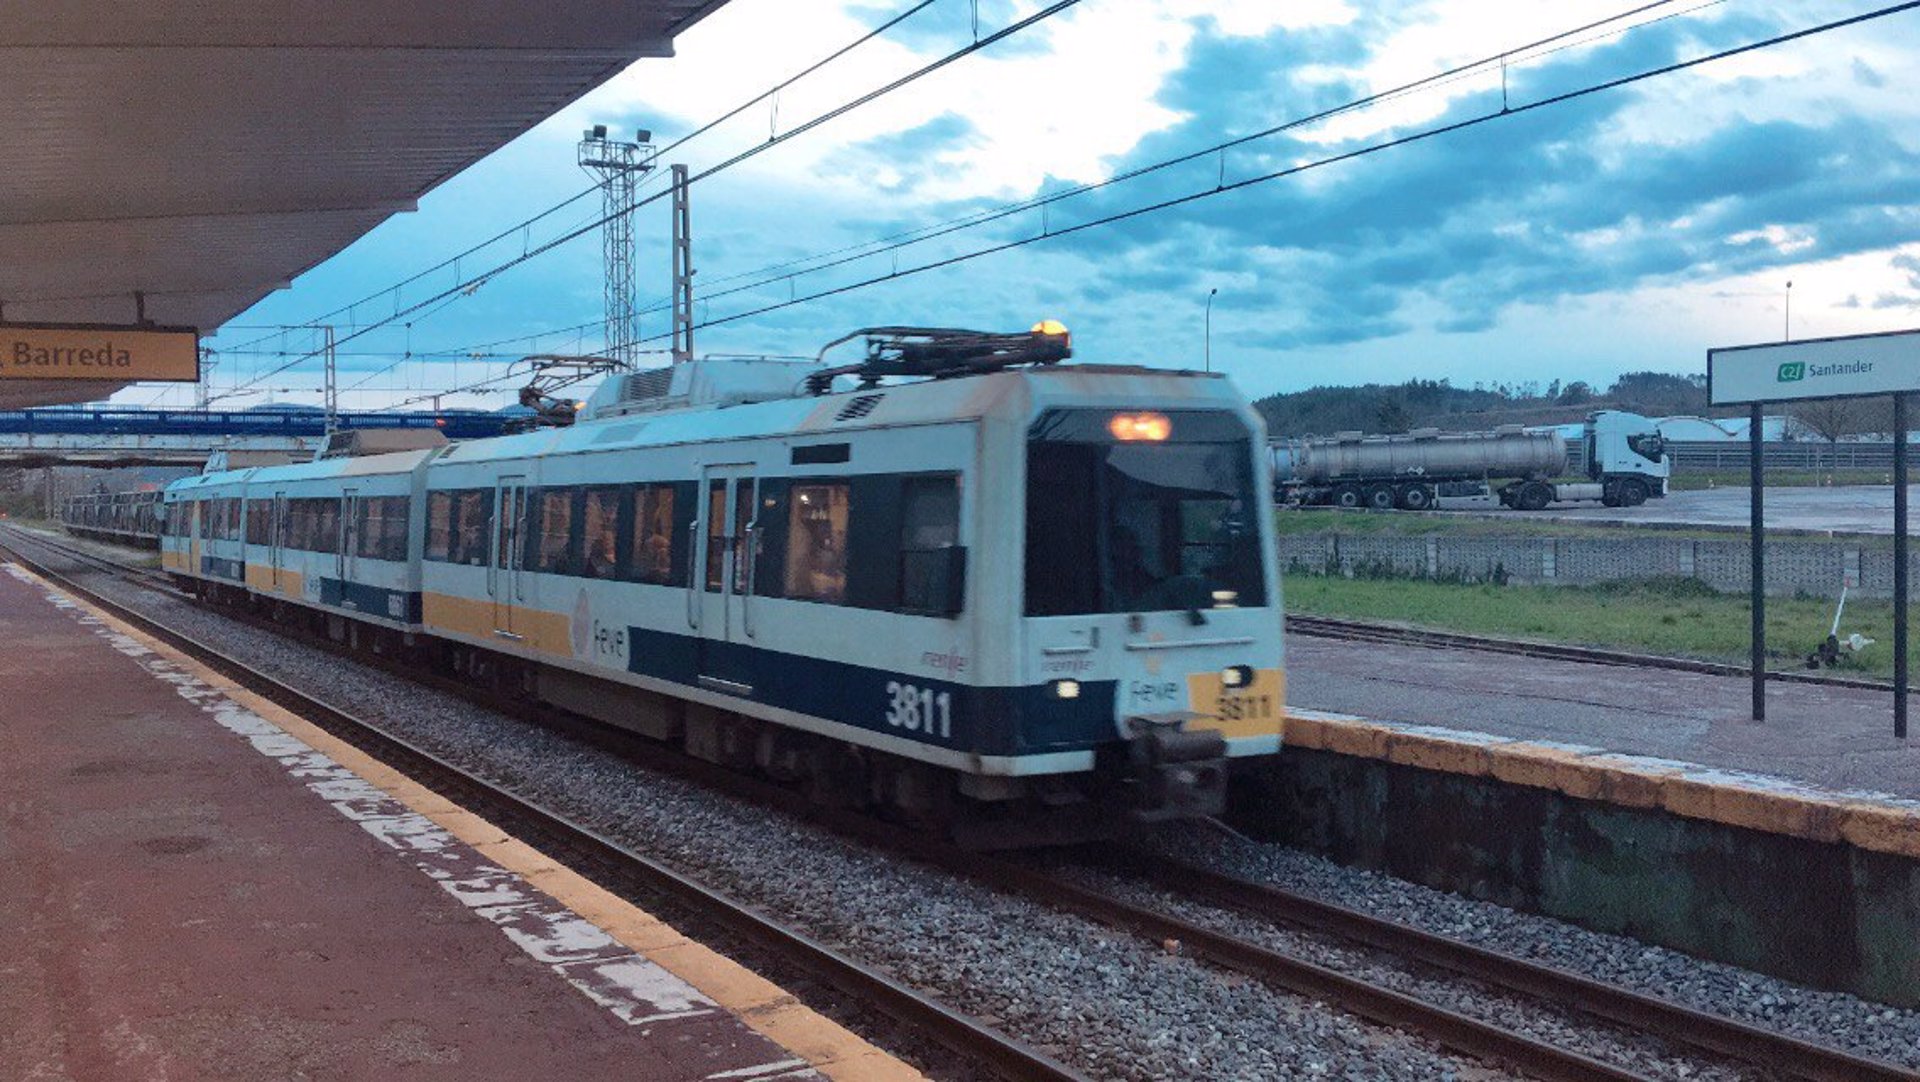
[[1792, 372]]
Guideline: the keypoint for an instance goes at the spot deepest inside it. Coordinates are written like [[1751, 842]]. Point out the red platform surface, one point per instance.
[[187, 891]]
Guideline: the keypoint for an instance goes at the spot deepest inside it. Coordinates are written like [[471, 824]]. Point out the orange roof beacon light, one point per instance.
[[1135, 427], [1053, 328]]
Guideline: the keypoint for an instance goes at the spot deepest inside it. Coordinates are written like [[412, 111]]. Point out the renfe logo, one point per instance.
[[1791, 372]]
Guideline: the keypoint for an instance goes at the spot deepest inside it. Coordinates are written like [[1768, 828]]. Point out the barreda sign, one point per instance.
[[119, 354], [1867, 364]]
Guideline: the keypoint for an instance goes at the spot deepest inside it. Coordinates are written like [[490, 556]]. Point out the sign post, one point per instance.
[[1855, 366], [48, 351]]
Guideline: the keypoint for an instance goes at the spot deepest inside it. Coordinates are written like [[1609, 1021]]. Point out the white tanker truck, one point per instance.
[[1624, 462]]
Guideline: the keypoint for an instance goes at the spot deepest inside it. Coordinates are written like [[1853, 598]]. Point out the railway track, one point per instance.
[[1775, 1055], [615, 862], [1328, 627]]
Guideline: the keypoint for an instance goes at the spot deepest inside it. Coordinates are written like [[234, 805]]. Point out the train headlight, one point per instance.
[[1132, 427], [1065, 689], [1236, 676]]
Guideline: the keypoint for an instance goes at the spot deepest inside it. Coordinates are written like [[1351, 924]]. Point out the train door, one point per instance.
[[194, 527], [503, 569], [344, 563], [277, 541], [728, 537]]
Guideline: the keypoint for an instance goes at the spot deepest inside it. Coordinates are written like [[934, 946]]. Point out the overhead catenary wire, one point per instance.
[[853, 253], [1506, 111]]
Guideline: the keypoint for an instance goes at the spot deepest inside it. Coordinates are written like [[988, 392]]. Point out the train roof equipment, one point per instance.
[[942, 353]]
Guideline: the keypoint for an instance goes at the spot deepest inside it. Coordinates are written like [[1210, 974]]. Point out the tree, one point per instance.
[[1833, 419], [1577, 393], [1392, 415]]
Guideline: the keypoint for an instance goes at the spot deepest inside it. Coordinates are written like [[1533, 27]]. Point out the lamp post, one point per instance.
[[1786, 326], [1209, 332]]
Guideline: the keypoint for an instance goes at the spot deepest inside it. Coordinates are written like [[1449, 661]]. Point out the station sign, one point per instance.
[[93, 352], [1862, 364]]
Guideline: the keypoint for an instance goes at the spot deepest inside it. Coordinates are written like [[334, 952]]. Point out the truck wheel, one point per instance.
[[1633, 492], [1533, 496], [1380, 497], [1416, 497], [1347, 496]]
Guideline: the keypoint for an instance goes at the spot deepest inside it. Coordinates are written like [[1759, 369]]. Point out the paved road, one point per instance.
[[1841, 509], [1835, 738]]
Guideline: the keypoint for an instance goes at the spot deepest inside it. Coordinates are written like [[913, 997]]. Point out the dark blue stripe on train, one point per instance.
[[982, 720], [219, 567], [402, 605]]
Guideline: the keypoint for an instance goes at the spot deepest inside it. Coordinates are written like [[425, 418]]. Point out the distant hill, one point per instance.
[[1375, 407]]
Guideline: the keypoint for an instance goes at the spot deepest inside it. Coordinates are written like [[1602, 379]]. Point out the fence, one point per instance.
[[1723, 456], [1813, 567]]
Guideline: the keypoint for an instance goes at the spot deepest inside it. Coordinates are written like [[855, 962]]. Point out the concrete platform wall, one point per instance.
[[1827, 913]]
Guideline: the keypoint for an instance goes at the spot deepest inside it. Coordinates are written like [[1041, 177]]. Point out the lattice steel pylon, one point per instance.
[[618, 165]]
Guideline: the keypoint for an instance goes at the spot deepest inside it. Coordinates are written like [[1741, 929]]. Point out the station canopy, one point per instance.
[[206, 154]]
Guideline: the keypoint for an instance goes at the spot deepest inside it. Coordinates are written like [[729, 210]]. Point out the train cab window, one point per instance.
[[816, 565], [651, 559], [932, 563], [1122, 524], [551, 547], [600, 533]]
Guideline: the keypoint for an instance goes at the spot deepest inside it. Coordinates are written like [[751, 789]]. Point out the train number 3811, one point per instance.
[[920, 710]]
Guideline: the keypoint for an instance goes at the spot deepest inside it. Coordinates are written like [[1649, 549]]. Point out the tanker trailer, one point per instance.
[[1622, 457]]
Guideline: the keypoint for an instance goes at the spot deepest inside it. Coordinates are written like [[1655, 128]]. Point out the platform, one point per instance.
[[1823, 767], [1831, 737], [200, 885]]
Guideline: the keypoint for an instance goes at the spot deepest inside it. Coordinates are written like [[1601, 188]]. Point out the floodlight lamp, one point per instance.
[[642, 135]]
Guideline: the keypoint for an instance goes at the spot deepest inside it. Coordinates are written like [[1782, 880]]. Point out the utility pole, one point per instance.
[[682, 269], [203, 391], [618, 165], [333, 384]]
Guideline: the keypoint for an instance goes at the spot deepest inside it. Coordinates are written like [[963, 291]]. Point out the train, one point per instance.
[[1623, 461], [977, 586], [128, 518]]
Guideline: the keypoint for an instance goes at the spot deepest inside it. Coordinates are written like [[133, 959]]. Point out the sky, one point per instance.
[[1537, 237]]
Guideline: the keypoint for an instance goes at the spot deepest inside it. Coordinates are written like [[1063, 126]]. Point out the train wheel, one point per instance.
[[1380, 497], [1347, 496], [1416, 497]]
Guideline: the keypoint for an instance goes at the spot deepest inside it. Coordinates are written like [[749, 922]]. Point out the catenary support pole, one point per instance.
[[1756, 535], [1900, 566]]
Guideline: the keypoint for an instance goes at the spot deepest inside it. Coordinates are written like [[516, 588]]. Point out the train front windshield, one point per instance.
[[1141, 512]]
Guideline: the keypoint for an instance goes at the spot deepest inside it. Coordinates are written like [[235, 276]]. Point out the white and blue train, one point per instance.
[[969, 582]]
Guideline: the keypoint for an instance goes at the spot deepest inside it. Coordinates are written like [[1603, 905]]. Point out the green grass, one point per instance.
[[1686, 482], [1678, 617]]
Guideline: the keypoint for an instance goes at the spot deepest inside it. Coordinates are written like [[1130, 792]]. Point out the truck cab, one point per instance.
[[1626, 455]]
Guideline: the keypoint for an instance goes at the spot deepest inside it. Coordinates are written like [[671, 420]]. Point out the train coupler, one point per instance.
[[1179, 768]]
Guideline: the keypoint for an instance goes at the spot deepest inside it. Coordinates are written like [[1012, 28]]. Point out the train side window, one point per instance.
[[716, 533], [600, 533], [551, 545], [326, 525], [651, 558], [381, 531], [816, 568], [473, 514], [259, 522], [439, 526], [932, 562]]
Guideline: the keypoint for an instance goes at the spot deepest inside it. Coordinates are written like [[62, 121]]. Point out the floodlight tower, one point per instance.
[[618, 165]]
